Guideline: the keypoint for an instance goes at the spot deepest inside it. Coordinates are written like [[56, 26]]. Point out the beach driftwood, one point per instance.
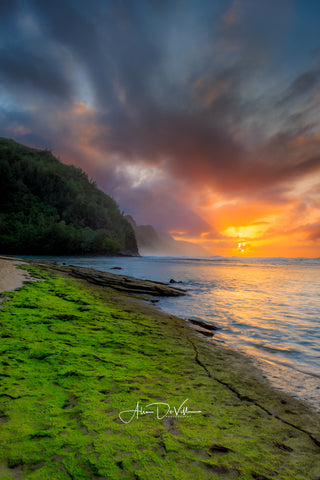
[[118, 282]]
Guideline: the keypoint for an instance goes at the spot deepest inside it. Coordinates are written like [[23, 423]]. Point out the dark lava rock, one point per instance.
[[119, 282], [200, 323], [257, 476], [219, 449], [284, 447], [204, 332]]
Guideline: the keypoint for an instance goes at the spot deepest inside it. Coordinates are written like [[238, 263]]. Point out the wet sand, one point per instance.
[[12, 277]]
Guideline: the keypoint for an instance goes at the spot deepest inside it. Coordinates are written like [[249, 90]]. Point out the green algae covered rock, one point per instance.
[[81, 367]]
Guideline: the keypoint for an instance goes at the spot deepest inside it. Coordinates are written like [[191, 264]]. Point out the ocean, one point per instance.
[[269, 309]]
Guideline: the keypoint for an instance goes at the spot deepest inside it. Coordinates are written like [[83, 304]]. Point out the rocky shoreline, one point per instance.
[[122, 283], [78, 352]]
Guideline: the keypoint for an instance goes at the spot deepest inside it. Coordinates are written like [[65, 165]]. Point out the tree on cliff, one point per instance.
[[47, 207]]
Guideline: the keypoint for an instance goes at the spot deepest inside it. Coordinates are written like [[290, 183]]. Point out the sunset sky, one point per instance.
[[199, 117]]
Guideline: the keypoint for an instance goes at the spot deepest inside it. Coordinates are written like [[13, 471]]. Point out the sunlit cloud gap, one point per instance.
[[199, 119]]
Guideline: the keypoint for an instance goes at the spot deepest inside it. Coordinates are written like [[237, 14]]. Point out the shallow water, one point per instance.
[[266, 308]]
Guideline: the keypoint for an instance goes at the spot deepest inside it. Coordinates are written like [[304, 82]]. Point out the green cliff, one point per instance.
[[47, 207]]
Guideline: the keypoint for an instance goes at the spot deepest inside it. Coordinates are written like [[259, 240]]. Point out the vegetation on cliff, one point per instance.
[[47, 207]]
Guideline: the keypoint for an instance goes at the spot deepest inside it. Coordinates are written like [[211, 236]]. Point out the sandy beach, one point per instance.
[[12, 277], [79, 358]]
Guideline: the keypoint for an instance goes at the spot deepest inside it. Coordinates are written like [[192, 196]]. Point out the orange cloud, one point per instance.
[[290, 227]]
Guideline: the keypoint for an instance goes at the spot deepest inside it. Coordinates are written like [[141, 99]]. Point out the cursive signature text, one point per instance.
[[160, 409]]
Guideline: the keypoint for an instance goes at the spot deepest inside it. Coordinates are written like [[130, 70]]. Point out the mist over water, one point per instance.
[[266, 308]]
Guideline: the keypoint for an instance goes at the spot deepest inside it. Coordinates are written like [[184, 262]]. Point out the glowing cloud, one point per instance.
[[197, 117]]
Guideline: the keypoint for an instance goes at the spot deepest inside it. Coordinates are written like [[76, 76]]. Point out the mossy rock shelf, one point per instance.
[[74, 355]]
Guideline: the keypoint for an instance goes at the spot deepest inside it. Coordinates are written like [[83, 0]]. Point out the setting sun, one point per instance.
[[242, 246]]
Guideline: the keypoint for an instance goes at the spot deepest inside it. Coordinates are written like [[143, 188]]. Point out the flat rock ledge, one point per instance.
[[121, 283]]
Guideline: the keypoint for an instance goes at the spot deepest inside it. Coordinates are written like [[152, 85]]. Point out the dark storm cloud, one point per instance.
[[7, 7], [205, 154], [111, 40], [31, 71], [305, 82], [303, 85], [176, 84]]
